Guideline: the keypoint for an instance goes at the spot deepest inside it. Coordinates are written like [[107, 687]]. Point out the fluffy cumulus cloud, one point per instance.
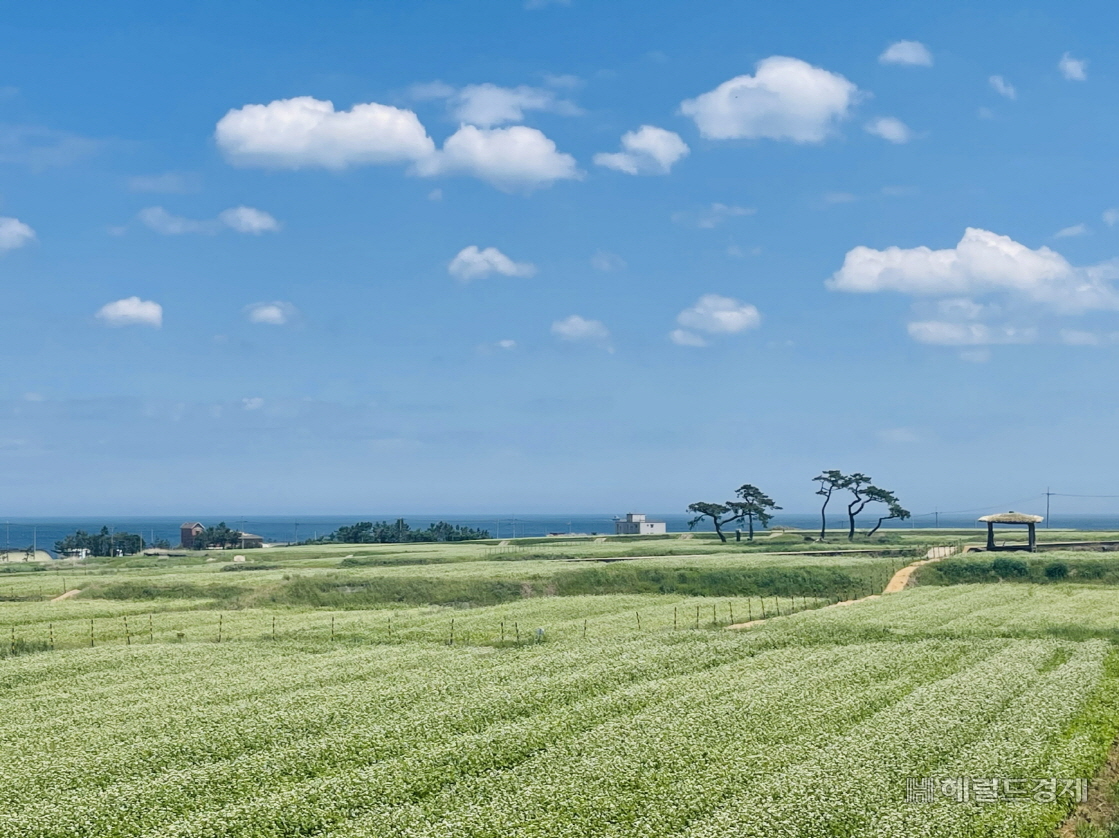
[[581, 330], [305, 132], [513, 159], [240, 219], [647, 151], [890, 129], [714, 314], [309, 133], [14, 234], [276, 313], [474, 263], [982, 262], [785, 99], [1073, 69], [1002, 87], [1029, 284], [907, 54], [131, 311]]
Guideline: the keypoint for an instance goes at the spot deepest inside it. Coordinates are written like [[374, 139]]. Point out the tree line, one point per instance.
[[105, 543], [753, 504], [399, 532]]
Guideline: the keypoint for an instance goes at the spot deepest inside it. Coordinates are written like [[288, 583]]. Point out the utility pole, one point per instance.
[[1047, 495], [937, 514]]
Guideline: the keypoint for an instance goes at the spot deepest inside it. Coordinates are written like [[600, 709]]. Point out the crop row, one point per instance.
[[772, 731]]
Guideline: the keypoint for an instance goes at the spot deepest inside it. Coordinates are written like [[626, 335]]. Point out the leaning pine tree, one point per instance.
[[754, 503]]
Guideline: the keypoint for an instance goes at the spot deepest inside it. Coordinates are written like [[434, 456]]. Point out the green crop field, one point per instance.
[[547, 697]]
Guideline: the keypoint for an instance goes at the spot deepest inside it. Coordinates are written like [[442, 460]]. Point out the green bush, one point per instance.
[[1056, 570], [1006, 568]]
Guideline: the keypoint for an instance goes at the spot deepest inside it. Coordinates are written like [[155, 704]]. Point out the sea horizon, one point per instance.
[[24, 531]]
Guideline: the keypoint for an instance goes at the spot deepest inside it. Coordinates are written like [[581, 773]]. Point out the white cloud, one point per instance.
[[1071, 232], [435, 195], [711, 217], [307, 132], [606, 262], [248, 220], [1073, 69], [488, 105], [241, 219], [975, 356], [1003, 87], [907, 53], [786, 99], [472, 263], [170, 182], [982, 262], [839, 198], [161, 221], [714, 314], [889, 128], [512, 159], [507, 344], [646, 151], [14, 234], [252, 403], [131, 311], [579, 329], [1111, 217], [945, 333], [682, 337], [276, 313]]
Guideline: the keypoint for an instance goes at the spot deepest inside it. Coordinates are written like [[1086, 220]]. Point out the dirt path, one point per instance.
[[67, 595], [1099, 810], [898, 582]]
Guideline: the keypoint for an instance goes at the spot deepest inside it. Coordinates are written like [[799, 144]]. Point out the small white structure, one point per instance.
[[635, 524]]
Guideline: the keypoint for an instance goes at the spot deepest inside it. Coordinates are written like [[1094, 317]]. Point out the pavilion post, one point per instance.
[[990, 535], [1033, 538]]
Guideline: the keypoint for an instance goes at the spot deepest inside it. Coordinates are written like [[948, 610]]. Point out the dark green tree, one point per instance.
[[219, 537], [399, 532], [720, 514], [103, 543], [893, 508], [829, 481], [754, 503], [857, 484]]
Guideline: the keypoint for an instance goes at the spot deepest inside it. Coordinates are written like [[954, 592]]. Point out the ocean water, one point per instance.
[[19, 533]]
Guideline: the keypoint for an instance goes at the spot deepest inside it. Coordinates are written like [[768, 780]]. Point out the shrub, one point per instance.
[[1056, 570], [1006, 568]]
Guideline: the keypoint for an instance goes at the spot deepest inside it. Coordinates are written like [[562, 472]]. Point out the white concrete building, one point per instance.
[[635, 524]]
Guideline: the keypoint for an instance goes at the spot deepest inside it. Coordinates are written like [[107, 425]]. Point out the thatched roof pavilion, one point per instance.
[[1012, 517]]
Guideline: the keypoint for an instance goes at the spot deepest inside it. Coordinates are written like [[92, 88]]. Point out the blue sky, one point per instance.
[[477, 257]]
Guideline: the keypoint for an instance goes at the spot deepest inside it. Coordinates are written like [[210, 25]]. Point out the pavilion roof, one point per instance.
[[1012, 518]]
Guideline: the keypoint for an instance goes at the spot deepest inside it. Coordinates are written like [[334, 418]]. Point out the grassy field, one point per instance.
[[571, 696]]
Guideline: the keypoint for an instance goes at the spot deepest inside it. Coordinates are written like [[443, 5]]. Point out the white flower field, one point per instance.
[[806, 725]]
